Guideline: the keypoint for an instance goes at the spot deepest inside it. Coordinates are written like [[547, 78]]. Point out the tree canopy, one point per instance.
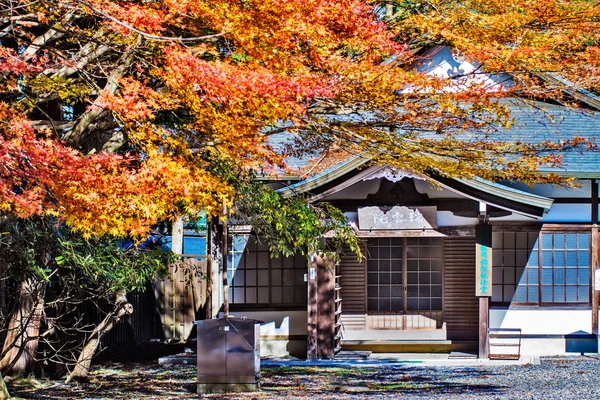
[[114, 115]]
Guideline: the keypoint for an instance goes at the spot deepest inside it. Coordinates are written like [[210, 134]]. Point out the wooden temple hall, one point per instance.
[[498, 269]]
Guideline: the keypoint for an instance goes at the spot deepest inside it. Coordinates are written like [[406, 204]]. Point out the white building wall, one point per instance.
[[582, 189], [282, 333], [548, 331], [569, 213]]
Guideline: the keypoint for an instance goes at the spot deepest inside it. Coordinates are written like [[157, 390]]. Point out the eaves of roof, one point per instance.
[[478, 189], [325, 177], [508, 193], [584, 96]]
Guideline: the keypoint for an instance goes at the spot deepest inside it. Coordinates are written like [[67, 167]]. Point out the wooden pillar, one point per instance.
[[483, 289], [594, 185], [594, 267], [484, 308], [216, 277], [209, 267], [594, 261], [311, 326], [177, 236], [225, 255], [325, 308]]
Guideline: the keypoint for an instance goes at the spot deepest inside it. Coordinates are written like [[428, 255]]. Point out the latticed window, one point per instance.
[[384, 274], [404, 274], [515, 267], [565, 272], [556, 273], [256, 278], [424, 283]]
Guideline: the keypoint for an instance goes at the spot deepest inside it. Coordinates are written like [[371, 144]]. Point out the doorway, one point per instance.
[[404, 283]]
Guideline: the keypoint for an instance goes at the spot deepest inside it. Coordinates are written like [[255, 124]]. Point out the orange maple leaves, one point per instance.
[[186, 80], [101, 193]]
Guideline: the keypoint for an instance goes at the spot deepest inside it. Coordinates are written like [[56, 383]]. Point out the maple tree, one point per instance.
[[114, 115], [118, 109]]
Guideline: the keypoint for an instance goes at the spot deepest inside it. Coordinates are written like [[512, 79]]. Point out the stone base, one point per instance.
[[208, 388]]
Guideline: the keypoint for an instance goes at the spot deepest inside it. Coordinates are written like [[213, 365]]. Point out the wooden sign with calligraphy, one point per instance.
[[398, 217], [483, 260]]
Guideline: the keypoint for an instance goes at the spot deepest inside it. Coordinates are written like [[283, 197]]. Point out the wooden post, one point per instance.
[[209, 263], [225, 255], [593, 267], [311, 326], [483, 286], [325, 308], [484, 303], [594, 185], [216, 269], [177, 236]]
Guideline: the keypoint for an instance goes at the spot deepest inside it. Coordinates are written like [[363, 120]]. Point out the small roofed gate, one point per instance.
[[180, 296]]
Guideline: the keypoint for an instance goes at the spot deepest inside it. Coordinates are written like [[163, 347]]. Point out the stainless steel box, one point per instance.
[[228, 355]]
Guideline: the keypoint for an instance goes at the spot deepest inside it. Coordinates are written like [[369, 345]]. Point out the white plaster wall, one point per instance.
[[514, 217], [569, 213], [359, 190], [275, 330], [540, 321], [446, 218], [552, 321], [352, 217], [434, 191], [446, 64], [277, 323]]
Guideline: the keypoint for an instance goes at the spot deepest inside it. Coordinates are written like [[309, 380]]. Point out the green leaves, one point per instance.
[[39, 249], [293, 225]]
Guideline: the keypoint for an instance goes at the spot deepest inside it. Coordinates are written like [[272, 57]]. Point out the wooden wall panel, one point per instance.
[[353, 282], [461, 307], [178, 298]]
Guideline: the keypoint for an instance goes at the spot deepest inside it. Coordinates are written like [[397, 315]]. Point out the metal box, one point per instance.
[[228, 355]]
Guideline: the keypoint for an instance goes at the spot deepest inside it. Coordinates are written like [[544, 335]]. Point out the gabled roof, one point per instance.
[[479, 189], [499, 196], [325, 177], [509, 193], [534, 122]]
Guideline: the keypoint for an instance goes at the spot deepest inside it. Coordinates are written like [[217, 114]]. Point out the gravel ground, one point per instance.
[[575, 377]]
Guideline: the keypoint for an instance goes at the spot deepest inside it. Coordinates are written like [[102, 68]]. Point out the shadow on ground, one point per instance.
[[361, 382], [148, 381]]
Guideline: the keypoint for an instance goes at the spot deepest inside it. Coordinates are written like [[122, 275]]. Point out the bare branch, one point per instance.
[[149, 35]]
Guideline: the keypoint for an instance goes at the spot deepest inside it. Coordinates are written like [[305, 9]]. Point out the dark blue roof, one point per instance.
[[536, 122]]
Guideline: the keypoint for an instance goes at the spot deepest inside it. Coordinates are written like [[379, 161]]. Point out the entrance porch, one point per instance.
[[410, 295]]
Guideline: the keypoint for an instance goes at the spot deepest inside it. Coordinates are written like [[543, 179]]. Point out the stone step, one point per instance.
[[407, 346]]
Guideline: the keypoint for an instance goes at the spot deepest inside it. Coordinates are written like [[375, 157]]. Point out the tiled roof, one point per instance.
[[536, 122]]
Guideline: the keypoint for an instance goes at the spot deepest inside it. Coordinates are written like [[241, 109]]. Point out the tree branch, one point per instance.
[[74, 137], [149, 35]]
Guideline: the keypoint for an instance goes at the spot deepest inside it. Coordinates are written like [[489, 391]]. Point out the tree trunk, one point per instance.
[[75, 137], [3, 391], [82, 368], [20, 346]]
